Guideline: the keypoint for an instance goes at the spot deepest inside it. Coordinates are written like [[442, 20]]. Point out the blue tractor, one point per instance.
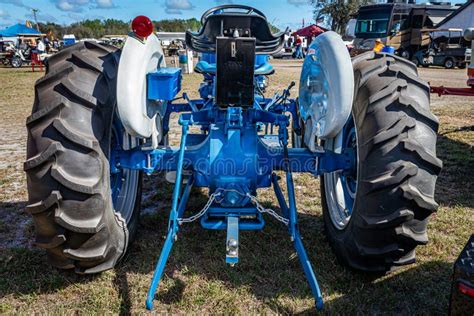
[[101, 120]]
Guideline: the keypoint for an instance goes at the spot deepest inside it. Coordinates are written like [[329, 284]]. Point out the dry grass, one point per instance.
[[269, 278]]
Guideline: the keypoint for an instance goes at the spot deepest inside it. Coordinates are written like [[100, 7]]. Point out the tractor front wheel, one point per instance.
[[85, 207], [376, 215]]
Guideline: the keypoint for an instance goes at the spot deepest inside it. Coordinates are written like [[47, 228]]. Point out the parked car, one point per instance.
[[7, 49], [444, 49]]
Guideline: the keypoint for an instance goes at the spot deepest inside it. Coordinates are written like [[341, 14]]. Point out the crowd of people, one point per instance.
[[38, 45], [299, 45]]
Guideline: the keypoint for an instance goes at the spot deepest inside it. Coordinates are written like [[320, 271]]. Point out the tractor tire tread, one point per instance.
[[395, 194], [67, 163]]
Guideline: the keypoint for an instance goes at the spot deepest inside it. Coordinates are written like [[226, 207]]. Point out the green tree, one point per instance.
[[98, 28], [340, 11], [53, 28], [177, 25]]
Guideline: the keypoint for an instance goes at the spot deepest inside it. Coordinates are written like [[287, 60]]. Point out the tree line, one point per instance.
[[98, 28]]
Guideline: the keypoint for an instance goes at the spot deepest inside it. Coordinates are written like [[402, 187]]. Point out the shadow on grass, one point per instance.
[[268, 265], [455, 184], [26, 271], [421, 289]]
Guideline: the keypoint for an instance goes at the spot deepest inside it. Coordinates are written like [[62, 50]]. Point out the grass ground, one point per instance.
[[268, 278]]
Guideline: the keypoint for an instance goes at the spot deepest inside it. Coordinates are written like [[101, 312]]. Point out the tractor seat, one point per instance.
[[204, 67], [219, 22]]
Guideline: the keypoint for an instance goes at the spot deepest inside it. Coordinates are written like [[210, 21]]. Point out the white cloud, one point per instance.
[[105, 4], [177, 6], [80, 5], [65, 6], [74, 16], [298, 2], [173, 11], [70, 5], [4, 14]]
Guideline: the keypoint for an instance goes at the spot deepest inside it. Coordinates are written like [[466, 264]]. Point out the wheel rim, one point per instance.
[[449, 63], [123, 182], [16, 62], [341, 187]]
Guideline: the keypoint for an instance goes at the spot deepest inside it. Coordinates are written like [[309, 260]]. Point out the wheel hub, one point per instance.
[[123, 182], [341, 186]]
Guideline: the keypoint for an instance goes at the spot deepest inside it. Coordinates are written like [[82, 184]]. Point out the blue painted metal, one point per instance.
[[263, 162], [261, 59], [207, 65], [173, 222], [218, 222], [164, 84], [231, 156], [293, 228], [207, 68], [209, 57]]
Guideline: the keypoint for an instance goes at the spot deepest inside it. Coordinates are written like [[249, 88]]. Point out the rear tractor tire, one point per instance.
[[375, 217], [85, 212]]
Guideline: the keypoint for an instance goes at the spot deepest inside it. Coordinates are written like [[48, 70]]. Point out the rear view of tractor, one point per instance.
[[101, 117]]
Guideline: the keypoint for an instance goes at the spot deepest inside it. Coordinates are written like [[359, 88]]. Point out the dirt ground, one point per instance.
[[269, 278]]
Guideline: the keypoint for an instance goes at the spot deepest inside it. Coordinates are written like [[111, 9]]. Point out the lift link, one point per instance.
[[173, 221], [294, 228], [288, 217]]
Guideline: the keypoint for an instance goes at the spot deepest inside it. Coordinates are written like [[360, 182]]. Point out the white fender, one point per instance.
[[326, 88], [137, 113]]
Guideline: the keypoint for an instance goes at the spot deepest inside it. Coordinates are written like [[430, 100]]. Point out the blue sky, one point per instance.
[[282, 12]]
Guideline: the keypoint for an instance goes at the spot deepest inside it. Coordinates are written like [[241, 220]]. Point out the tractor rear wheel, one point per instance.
[[85, 210], [375, 216]]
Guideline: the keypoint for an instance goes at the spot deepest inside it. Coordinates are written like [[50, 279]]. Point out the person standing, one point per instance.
[[40, 46], [47, 44], [299, 47]]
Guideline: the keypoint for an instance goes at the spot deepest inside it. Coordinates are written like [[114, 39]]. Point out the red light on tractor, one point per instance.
[[465, 289], [142, 26]]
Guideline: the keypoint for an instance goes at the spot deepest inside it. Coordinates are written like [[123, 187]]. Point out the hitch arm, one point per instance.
[[177, 208]]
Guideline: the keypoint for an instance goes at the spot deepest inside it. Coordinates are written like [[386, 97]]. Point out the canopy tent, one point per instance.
[[19, 30], [310, 31]]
